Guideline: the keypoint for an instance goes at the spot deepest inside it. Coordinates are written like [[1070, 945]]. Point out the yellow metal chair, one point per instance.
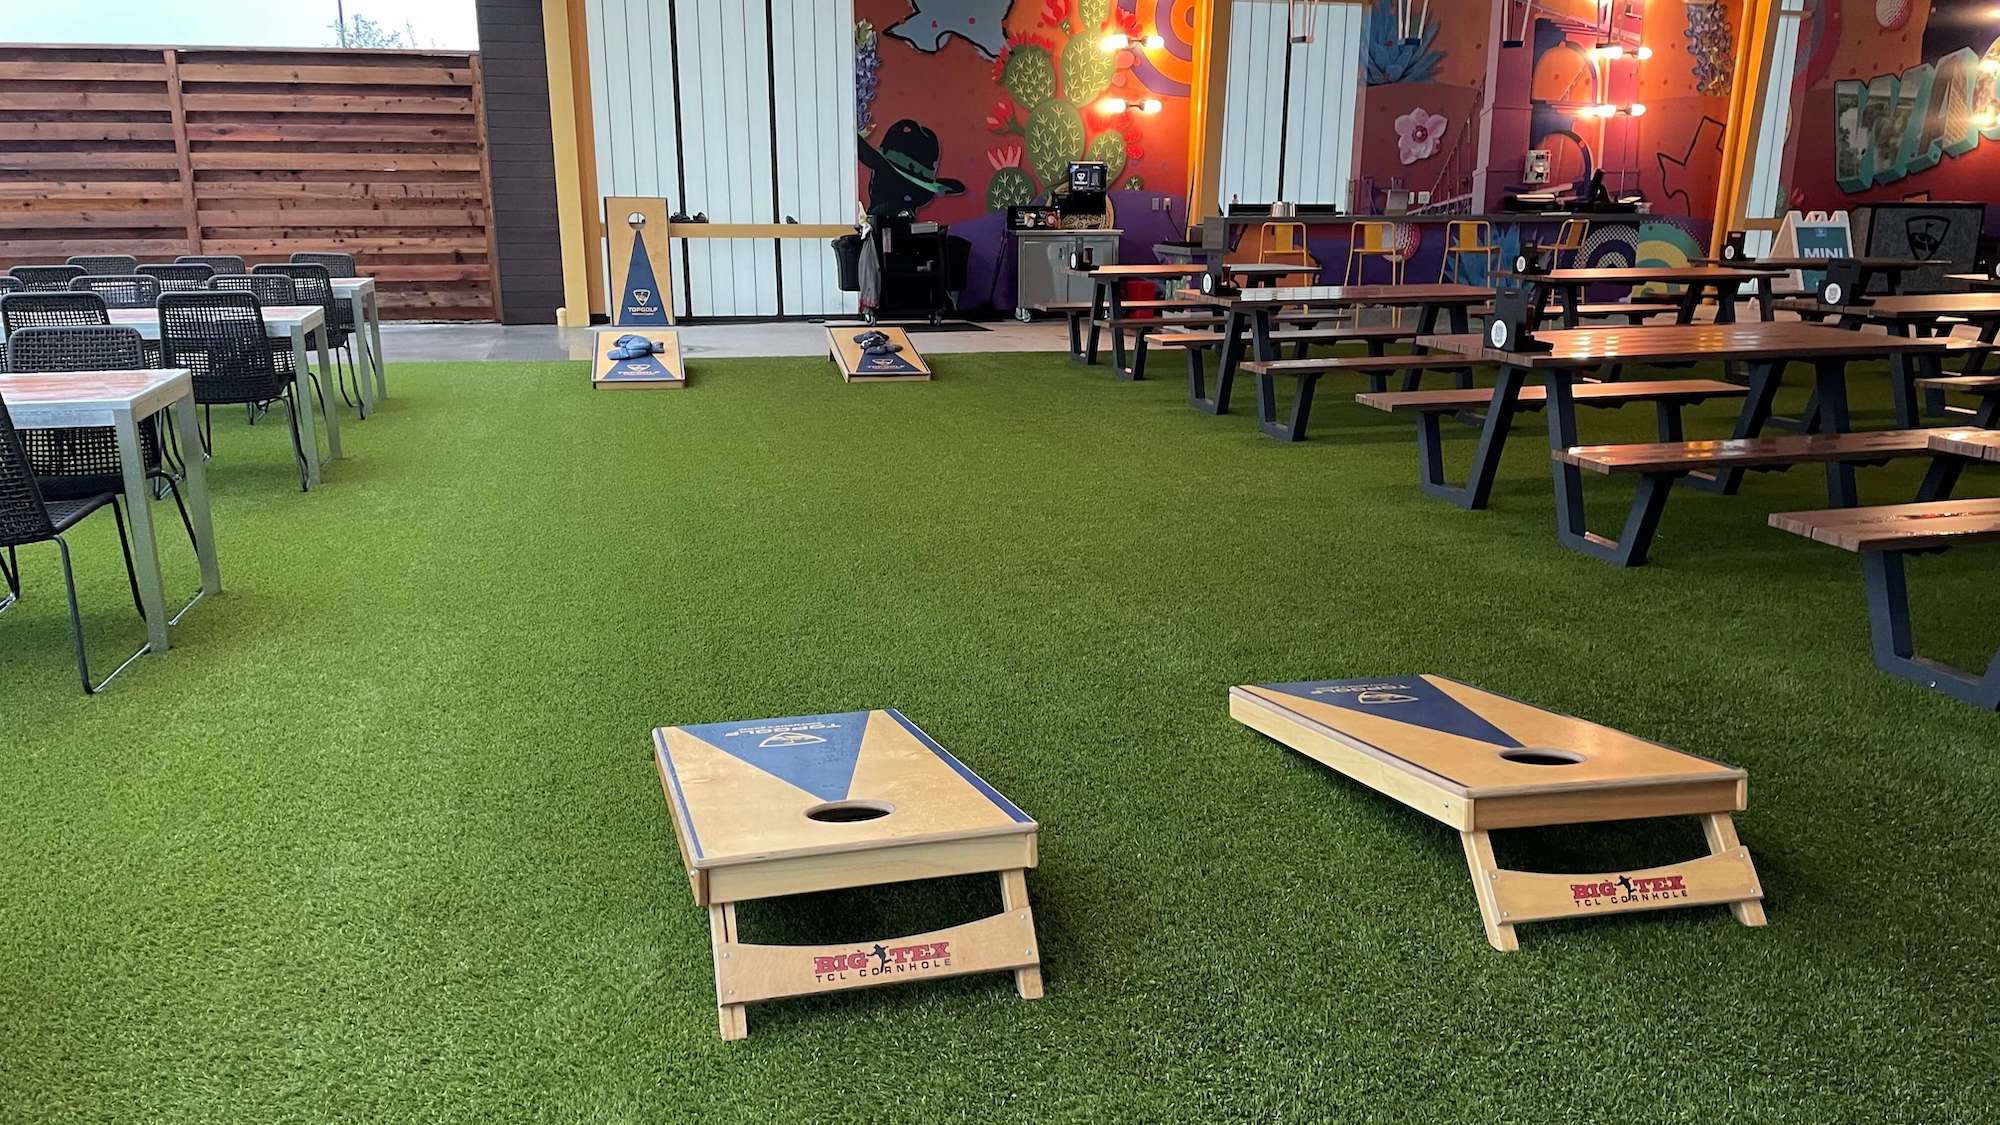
[[1285, 244], [1569, 241], [1373, 240], [1463, 237]]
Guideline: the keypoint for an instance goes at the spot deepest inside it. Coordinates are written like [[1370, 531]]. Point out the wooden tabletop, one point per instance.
[[1335, 295], [81, 398], [1903, 527], [1821, 263], [741, 792], [1474, 741], [1986, 280], [1670, 343], [1927, 306], [1980, 445], [1639, 275], [1164, 271]]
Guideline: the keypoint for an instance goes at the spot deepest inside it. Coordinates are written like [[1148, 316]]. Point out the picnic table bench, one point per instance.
[[1984, 387], [1658, 465], [1377, 367], [1886, 535]]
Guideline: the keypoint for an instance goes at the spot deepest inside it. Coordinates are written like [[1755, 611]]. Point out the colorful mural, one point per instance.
[[1894, 101]]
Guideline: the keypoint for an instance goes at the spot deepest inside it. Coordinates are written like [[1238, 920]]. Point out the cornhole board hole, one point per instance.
[[899, 366], [662, 370], [1479, 762], [776, 807]]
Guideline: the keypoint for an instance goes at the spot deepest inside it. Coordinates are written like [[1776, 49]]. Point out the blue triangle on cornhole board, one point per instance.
[[1405, 699], [639, 278], [817, 753]]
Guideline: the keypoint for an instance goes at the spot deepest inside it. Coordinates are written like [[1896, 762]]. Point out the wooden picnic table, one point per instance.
[[1977, 280], [1919, 314], [1975, 445], [1724, 281], [1255, 310], [122, 401], [1765, 347], [1106, 309]]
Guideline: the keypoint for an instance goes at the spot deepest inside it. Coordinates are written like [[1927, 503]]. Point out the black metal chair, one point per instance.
[[315, 287], [337, 264], [268, 288], [180, 277], [120, 291], [27, 517], [76, 462], [220, 337], [105, 263], [220, 263], [38, 309], [45, 278]]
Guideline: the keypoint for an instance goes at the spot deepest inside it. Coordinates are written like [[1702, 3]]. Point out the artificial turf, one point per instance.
[[380, 838]]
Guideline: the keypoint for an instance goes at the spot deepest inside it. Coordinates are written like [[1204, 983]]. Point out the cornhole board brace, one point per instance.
[[900, 367], [1478, 762], [767, 808], [663, 370]]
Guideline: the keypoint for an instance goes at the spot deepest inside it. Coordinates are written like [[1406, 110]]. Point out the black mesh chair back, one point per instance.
[[337, 264], [81, 461], [105, 263], [120, 291], [9, 284], [315, 287], [220, 263], [24, 515], [180, 277], [36, 309], [268, 288], [41, 278], [220, 337], [94, 347]]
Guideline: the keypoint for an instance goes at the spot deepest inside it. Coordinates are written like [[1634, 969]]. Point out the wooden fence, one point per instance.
[[163, 151]]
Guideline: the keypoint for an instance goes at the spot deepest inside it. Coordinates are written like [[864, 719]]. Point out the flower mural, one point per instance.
[[1418, 134]]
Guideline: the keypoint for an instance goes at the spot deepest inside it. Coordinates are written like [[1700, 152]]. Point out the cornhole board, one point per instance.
[[1478, 762], [776, 807], [662, 370], [642, 271], [857, 368]]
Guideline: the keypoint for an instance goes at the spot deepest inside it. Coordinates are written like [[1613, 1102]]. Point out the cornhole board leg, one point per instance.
[[1508, 898], [747, 973]]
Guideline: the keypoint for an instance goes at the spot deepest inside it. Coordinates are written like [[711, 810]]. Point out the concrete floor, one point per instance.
[[415, 342]]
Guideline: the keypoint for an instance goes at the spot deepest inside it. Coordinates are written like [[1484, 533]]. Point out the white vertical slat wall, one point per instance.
[[813, 74], [1761, 200], [1312, 160], [703, 140]]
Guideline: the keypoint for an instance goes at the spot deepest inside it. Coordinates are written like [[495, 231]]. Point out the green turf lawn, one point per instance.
[[381, 840]]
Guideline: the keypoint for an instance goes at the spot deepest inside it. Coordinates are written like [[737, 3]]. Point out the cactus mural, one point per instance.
[[1390, 57], [1055, 81]]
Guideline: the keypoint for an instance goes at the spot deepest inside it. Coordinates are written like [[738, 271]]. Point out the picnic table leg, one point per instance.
[[1903, 375], [1767, 306], [1895, 652], [1765, 378], [1572, 528], [1115, 312], [1941, 478], [1478, 488], [1138, 369], [1096, 315], [1267, 407], [1231, 353], [375, 345], [1572, 299], [1690, 301], [1726, 293], [144, 549], [303, 400], [326, 372]]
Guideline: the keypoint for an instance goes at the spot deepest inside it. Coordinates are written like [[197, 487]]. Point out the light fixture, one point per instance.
[[1636, 109], [1985, 119], [1112, 105], [1606, 110], [1150, 105], [1643, 53], [1156, 42], [1610, 50], [1989, 65], [1116, 41]]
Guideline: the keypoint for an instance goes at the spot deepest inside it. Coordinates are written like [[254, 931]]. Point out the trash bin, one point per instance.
[[847, 253]]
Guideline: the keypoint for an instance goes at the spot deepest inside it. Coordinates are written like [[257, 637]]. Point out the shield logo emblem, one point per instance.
[[642, 296], [791, 738], [1378, 698], [1926, 233]]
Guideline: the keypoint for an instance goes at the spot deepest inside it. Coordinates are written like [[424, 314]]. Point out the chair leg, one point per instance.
[[75, 618], [208, 432], [298, 444], [125, 546]]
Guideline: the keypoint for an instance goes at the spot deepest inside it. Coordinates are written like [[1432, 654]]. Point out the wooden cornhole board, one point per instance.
[[662, 370], [1479, 761], [767, 807], [856, 368]]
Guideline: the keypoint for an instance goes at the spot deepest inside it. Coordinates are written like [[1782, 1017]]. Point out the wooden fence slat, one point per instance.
[[255, 152]]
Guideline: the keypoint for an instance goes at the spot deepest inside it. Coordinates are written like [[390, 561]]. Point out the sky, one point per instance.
[[439, 24]]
